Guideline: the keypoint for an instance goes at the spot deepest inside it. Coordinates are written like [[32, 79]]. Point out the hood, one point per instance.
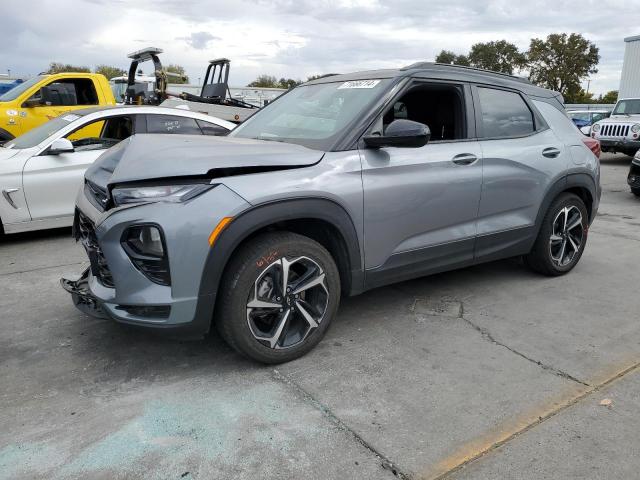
[[622, 118], [148, 157]]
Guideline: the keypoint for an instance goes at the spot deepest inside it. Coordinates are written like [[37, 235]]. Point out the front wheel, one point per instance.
[[278, 296], [562, 237], [636, 191]]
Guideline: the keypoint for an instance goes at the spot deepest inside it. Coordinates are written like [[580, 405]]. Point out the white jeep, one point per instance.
[[621, 131]]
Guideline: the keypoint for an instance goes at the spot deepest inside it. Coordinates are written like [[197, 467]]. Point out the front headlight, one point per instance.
[[158, 193], [635, 128], [595, 128]]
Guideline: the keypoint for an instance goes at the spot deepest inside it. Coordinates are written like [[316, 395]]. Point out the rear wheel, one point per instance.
[[562, 237], [278, 296]]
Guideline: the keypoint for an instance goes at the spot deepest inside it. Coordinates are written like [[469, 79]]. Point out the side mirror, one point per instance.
[[60, 145], [32, 102], [401, 133]]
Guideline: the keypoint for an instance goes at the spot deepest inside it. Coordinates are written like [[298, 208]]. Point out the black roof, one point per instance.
[[442, 71]]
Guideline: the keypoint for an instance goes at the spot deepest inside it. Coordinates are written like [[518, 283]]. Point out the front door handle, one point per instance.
[[551, 152], [464, 159]]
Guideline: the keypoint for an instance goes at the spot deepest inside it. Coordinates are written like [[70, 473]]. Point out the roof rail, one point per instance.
[[419, 65]]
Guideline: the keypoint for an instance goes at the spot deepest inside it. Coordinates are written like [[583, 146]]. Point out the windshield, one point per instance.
[[39, 134], [20, 89], [312, 115], [628, 107]]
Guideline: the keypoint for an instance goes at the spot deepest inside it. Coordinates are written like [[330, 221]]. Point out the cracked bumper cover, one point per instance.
[[82, 297], [131, 297]]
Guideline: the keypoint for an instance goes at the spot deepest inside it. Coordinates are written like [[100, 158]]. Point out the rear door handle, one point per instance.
[[464, 159], [551, 152]]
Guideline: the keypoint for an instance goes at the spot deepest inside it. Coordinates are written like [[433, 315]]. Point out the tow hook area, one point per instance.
[[82, 297]]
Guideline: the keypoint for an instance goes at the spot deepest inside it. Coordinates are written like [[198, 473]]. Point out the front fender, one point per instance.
[[263, 215]]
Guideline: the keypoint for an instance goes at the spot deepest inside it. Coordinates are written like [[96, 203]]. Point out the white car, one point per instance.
[[42, 170]]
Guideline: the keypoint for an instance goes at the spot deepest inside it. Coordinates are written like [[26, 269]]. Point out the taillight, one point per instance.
[[593, 145]]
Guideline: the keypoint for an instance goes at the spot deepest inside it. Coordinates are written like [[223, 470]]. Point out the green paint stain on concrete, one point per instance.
[[25, 460], [193, 425]]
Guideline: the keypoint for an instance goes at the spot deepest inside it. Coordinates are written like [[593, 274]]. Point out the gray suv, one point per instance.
[[342, 185]]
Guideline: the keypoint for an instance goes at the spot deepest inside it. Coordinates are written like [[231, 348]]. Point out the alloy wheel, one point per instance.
[[567, 235], [289, 300]]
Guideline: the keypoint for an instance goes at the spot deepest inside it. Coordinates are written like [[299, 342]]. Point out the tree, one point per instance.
[[269, 81], [609, 97], [581, 97], [264, 81], [178, 70], [55, 67], [449, 57], [500, 56], [561, 61], [109, 71], [288, 83]]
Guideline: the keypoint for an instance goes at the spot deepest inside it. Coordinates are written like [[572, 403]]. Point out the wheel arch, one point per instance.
[[580, 184], [323, 220]]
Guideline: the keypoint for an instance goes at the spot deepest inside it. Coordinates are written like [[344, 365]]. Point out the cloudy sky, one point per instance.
[[298, 38]]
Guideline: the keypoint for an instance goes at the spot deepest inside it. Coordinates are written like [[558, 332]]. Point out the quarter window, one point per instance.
[[172, 124], [212, 129], [504, 114]]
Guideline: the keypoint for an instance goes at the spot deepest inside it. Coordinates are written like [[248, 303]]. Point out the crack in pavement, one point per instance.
[[540, 420], [489, 337], [333, 418], [4, 274]]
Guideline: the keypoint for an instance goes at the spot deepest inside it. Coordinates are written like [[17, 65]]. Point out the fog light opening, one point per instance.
[[145, 246]]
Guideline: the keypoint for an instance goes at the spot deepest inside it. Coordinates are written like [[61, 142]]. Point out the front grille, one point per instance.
[[614, 130], [96, 195], [85, 232]]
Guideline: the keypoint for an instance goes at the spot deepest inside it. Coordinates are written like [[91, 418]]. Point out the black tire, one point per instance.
[[636, 191], [258, 260], [541, 258]]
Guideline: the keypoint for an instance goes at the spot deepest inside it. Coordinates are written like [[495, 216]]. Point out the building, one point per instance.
[[630, 80]]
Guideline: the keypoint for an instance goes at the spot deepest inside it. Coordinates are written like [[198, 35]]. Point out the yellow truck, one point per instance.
[[44, 97]]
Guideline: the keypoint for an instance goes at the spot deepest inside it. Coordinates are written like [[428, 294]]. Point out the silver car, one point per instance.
[[344, 184]]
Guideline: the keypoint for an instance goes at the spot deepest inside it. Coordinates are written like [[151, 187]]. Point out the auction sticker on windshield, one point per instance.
[[359, 84], [70, 117]]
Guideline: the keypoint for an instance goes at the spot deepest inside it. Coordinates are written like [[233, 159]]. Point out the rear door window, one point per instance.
[[504, 114], [172, 124]]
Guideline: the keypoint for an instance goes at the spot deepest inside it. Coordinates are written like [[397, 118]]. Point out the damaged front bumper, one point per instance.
[[82, 297]]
